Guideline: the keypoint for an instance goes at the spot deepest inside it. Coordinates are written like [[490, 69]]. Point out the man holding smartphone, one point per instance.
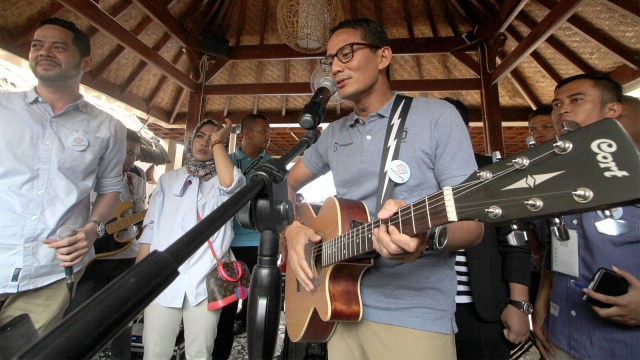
[[577, 329]]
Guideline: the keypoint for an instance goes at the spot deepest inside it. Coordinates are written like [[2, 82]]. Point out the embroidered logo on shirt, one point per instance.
[[336, 146]]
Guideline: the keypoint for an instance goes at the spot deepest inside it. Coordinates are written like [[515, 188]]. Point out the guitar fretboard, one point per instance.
[[125, 223], [415, 218]]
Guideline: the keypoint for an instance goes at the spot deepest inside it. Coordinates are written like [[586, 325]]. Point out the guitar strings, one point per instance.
[[417, 210]]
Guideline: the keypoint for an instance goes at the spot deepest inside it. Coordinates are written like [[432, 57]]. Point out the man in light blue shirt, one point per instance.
[[566, 326], [56, 149]]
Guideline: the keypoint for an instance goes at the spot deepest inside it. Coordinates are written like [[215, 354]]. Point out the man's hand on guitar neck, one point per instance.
[[390, 243], [298, 236]]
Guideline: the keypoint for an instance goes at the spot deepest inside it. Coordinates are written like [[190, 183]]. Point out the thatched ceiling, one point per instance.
[[149, 54]]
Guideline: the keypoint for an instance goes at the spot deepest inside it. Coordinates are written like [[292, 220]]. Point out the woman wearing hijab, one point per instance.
[[181, 198]]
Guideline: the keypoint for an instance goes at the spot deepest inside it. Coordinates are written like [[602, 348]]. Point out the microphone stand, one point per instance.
[[89, 328], [269, 212]]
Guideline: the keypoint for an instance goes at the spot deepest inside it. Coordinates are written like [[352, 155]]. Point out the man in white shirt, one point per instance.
[[56, 149]]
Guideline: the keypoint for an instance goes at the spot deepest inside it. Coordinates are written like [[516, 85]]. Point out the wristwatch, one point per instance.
[[437, 238], [100, 229], [523, 306]]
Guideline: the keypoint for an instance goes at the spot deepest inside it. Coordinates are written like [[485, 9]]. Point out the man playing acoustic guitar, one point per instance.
[[105, 269], [408, 293]]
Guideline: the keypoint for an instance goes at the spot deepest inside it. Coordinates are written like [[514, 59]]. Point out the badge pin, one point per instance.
[[611, 223], [398, 171], [78, 143]]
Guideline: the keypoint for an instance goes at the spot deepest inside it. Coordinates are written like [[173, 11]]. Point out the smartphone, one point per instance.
[[606, 282]]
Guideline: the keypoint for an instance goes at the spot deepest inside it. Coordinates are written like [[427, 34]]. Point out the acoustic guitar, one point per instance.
[[594, 167], [112, 243]]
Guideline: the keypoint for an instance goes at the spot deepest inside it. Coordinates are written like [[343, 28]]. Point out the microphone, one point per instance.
[[63, 232], [313, 111]]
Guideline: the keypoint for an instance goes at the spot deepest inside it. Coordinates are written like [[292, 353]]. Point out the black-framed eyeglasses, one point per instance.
[[344, 54]]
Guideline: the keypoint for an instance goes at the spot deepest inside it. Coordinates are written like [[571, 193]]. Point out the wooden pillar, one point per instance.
[[171, 150], [491, 113]]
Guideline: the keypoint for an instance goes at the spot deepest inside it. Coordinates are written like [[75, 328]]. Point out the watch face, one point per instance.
[[527, 308], [101, 229]]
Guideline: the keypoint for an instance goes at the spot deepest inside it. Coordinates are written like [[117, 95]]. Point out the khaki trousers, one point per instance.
[[161, 326], [45, 305], [369, 340]]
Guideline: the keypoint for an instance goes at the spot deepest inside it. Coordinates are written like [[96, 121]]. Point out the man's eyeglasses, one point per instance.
[[344, 55]]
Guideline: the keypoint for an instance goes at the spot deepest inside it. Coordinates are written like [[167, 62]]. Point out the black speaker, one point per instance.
[[214, 44]]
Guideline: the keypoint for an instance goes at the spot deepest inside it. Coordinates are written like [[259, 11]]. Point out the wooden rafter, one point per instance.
[[524, 89], [536, 56], [26, 33], [558, 46], [407, 18], [110, 26], [99, 69], [611, 44], [629, 7], [560, 13], [414, 46], [302, 88], [135, 74], [164, 18], [154, 93]]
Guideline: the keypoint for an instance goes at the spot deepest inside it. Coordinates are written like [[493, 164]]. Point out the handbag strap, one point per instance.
[[215, 257], [221, 271], [395, 127]]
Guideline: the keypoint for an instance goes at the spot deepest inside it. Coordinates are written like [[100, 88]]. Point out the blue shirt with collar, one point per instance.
[[573, 325]]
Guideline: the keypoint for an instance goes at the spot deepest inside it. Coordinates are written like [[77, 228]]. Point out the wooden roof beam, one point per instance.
[[119, 49], [406, 11], [629, 7], [400, 47], [163, 79], [111, 27], [164, 18], [176, 105], [612, 45], [488, 30], [135, 74], [539, 59], [562, 49], [446, 4], [303, 88], [560, 13], [26, 33], [130, 99], [469, 62], [523, 88]]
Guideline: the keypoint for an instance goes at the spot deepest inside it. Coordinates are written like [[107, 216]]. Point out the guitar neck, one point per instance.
[[415, 218], [122, 224]]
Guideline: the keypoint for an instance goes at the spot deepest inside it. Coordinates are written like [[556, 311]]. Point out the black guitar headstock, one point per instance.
[[595, 167]]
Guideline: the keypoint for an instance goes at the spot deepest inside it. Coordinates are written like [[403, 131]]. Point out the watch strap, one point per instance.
[[524, 306]]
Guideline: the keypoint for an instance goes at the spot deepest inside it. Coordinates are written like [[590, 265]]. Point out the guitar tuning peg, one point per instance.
[[558, 230], [495, 156], [531, 142], [569, 126], [517, 236]]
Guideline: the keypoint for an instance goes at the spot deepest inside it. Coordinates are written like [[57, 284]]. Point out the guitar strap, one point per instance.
[[395, 128]]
